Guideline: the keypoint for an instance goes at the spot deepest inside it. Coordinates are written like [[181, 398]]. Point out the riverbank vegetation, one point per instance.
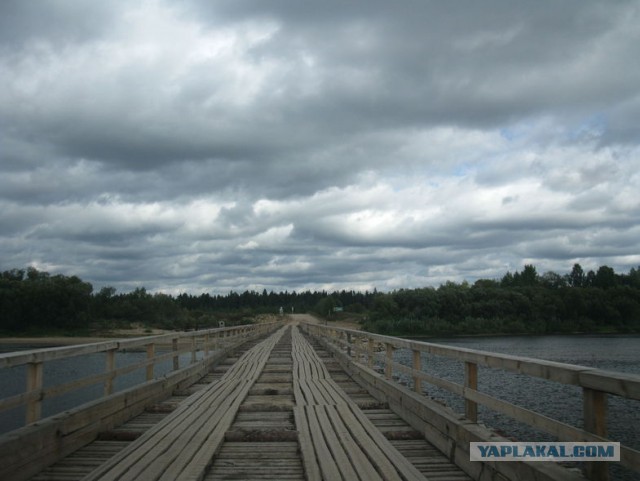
[[35, 302], [519, 303]]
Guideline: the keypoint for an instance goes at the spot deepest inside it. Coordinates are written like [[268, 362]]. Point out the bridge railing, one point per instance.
[[369, 349], [194, 346]]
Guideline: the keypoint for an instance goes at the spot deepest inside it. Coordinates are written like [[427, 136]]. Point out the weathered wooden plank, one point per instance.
[[329, 434], [324, 455], [139, 457], [192, 463], [621, 384], [11, 359], [312, 468], [193, 467], [362, 464], [352, 440], [380, 447]]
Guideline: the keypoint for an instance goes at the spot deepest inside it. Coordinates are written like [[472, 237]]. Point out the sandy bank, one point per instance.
[[74, 340]]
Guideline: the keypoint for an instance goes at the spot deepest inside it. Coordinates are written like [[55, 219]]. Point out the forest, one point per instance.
[[522, 302], [36, 302]]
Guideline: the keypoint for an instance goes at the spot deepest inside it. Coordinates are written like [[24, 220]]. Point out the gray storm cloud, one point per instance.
[[209, 146]]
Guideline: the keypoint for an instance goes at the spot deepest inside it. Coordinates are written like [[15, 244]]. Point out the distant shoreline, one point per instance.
[[523, 334], [53, 340], [61, 340]]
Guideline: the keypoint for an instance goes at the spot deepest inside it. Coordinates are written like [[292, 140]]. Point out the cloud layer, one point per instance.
[[209, 146]]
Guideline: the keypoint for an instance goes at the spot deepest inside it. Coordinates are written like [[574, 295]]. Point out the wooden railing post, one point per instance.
[[206, 345], [357, 347], [194, 349], [110, 366], [471, 382], [370, 353], [595, 421], [34, 383], [349, 344], [151, 352], [417, 365], [388, 367], [176, 356]]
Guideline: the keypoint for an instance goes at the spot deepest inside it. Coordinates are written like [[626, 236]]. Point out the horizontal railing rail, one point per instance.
[[200, 344], [366, 349]]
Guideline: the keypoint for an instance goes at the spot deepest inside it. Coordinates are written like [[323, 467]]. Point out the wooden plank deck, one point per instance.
[[336, 439], [182, 446], [283, 410]]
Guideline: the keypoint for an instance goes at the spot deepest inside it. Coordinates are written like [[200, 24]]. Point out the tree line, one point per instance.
[[519, 302], [38, 302]]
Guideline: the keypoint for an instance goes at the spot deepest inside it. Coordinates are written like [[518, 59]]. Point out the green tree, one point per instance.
[[529, 276], [553, 280], [577, 277], [634, 278], [325, 306], [453, 301], [605, 278]]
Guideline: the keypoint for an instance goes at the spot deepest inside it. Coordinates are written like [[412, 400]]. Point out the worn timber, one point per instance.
[[287, 402]]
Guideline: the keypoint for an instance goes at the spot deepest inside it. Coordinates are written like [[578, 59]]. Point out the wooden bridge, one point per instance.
[[287, 401]]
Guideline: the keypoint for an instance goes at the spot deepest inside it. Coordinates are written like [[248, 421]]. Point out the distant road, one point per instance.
[[305, 318], [309, 318]]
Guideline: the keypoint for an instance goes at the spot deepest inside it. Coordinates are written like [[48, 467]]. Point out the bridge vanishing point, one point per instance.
[[288, 401]]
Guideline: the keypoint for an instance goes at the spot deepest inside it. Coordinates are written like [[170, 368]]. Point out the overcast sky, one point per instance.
[[207, 146]]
